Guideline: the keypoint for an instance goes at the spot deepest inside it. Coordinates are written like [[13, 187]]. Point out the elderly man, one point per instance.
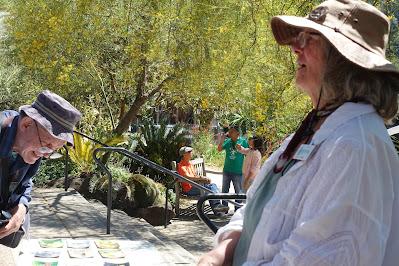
[[25, 137]]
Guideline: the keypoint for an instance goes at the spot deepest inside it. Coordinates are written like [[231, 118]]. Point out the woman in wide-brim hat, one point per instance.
[[329, 194]]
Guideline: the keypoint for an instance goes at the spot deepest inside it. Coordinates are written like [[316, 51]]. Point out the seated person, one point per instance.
[[186, 169]]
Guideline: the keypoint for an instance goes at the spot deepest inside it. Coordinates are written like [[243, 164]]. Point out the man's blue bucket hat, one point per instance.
[[55, 114]]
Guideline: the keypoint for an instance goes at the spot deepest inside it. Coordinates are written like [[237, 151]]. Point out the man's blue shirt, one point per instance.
[[15, 174]]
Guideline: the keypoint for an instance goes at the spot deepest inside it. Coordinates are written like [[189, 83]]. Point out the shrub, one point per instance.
[[204, 145], [129, 191], [82, 152], [49, 170], [159, 144]]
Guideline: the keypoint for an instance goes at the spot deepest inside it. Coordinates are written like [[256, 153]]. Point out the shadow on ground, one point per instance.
[[190, 232]]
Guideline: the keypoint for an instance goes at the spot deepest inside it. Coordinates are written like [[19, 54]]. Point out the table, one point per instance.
[[88, 251]]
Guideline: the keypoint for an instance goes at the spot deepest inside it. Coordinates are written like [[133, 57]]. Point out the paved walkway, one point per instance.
[[59, 214], [190, 232]]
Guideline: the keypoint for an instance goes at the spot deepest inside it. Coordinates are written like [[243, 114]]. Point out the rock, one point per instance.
[[154, 215]]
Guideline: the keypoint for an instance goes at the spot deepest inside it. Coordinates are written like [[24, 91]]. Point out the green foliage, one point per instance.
[[49, 170], [204, 145], [120, 174], [95, 120], [122, 54], [160, 144], [114, 58], [244, 120], [16, 88], [82, 152], [12, 82], [391, 8], [3, 4]]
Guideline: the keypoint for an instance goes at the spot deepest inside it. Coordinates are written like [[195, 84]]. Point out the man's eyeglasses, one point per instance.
[[302, 39], [43, 149]]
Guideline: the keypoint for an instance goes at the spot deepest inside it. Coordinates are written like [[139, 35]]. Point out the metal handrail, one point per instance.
[[218, 196], [148, 163], [66, 181]]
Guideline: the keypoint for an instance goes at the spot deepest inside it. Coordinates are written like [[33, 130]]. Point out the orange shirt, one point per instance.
[[186, 169]]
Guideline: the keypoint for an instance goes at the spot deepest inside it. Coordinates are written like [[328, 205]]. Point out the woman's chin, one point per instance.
[[31, 159]]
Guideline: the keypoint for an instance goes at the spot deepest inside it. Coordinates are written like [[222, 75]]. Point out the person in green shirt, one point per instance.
[[232, 170]]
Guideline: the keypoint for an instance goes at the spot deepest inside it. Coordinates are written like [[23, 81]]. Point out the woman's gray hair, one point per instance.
[[346, 82]]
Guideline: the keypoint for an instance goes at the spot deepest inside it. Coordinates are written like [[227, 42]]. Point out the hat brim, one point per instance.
[[186, 150], [286, 27], [52, 127]]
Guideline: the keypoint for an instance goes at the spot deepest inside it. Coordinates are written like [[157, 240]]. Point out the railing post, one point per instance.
[[109, 204], [109, 193], [66, 168], [166, 206]]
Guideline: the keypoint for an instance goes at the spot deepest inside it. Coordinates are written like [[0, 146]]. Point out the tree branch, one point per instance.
[[159, 87]]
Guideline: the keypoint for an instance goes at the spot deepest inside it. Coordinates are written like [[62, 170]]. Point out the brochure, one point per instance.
[[51, 243], [73, 243], [47, 253], [106, 244], [116, 264], [80, 253], [44, 263], [111, 253]]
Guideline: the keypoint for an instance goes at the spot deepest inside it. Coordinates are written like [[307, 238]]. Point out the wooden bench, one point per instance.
[[199, 166]]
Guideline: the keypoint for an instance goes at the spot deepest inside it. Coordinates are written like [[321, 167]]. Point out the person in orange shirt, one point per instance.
[[186, 169]]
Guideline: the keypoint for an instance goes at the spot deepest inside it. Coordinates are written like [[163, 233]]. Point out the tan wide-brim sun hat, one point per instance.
[[358, 31]]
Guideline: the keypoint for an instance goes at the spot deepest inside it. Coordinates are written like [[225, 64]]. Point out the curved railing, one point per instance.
[[218, 196]]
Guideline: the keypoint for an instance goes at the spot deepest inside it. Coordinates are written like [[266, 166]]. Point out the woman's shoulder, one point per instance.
[[361, 130], [363, 137]]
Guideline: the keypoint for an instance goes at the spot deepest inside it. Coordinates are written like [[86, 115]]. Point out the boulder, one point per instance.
[[154, 215]]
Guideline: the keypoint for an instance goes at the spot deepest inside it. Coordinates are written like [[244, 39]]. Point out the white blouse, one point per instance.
[[336, 208]]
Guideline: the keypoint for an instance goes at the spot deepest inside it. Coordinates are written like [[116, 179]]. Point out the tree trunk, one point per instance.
[[140, 100], [122, 109], [130, 116]]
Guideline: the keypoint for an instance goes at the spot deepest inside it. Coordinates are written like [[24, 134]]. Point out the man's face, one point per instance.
[[233, 134], [36, 141], [187, 156]]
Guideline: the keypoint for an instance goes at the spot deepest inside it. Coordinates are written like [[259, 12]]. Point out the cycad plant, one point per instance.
[[82, 152], [159, 144]]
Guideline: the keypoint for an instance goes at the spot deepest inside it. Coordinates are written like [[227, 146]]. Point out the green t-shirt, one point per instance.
[[234, 160]]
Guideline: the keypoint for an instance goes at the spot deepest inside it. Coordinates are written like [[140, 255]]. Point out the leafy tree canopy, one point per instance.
[[114, 58]]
